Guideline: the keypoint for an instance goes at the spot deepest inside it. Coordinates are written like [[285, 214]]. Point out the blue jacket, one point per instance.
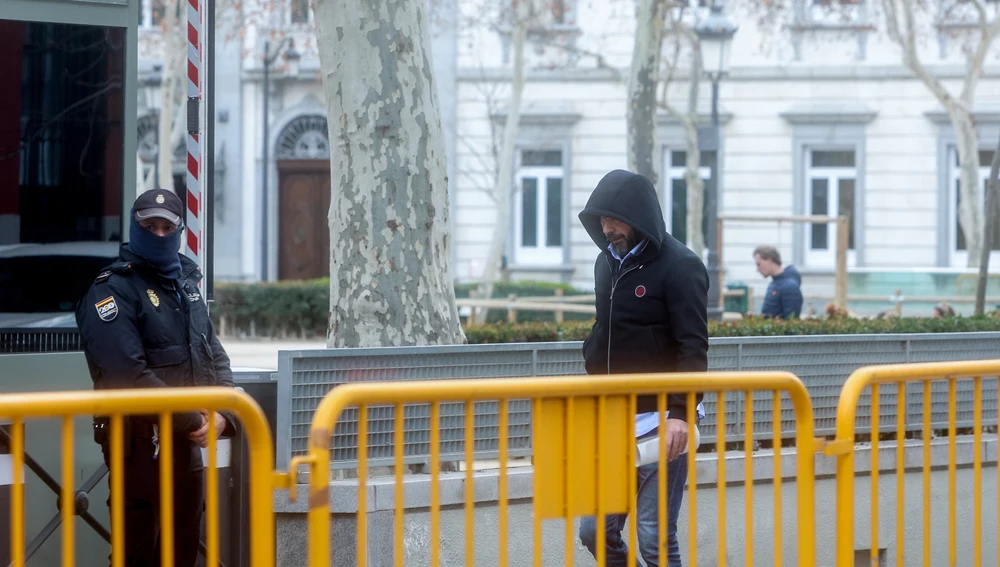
[[783, 298]]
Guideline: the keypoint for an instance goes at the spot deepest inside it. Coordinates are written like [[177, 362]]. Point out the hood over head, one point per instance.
[[630, 198]]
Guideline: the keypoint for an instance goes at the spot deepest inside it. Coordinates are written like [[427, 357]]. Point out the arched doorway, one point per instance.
[[302, 153]]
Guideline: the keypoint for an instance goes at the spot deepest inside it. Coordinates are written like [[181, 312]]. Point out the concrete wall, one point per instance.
[[417, 541]]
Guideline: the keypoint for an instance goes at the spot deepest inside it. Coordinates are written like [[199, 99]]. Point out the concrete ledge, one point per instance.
[[381, 491]]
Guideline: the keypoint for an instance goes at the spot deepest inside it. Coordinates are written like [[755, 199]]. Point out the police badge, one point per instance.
[[153, 298]]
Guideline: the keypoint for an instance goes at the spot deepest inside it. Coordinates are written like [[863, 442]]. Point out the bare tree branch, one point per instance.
[[599, 58]]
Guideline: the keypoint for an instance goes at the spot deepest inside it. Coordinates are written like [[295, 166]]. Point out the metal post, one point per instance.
[[711, 204], [263, 167], [208, 147]]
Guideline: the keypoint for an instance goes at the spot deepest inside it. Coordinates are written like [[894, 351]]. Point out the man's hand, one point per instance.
[[676, 432], [201, 436]]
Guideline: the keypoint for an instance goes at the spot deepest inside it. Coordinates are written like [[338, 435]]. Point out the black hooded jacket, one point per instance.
[[652, 314]]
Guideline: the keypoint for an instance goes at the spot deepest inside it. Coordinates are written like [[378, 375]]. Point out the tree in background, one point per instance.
[[981, 24], [665, 37], [391, 282]]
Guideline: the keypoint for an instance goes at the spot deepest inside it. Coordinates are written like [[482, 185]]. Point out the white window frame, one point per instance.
[[542, 254], [960, 258], [833, 175], [674, 173]]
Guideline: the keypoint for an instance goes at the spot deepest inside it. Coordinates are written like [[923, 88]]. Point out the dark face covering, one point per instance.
[[159, 251]]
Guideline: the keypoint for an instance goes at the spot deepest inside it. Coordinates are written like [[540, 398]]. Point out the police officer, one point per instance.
[[144, 324]]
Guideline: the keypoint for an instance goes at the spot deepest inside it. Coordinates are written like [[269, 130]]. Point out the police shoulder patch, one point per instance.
[[107, 309]]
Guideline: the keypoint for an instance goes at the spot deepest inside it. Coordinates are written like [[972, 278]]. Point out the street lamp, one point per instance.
[[292, 57], [715, 34]]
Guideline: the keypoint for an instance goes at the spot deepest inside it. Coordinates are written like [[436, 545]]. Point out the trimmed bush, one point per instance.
[[300, 308], [750, 327], [526, 289]]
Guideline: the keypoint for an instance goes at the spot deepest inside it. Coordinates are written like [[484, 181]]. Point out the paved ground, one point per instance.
[[263, 353]]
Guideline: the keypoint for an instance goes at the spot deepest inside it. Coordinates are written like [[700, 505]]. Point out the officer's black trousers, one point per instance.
[[142, 506]]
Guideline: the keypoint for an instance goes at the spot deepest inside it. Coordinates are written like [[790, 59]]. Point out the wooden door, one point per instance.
[[304, 232]]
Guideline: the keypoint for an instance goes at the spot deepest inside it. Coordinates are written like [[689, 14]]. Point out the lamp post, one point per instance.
[[292, 57], [715, 34]]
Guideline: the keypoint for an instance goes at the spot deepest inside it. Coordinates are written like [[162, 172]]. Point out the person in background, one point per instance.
[[943, 309], [144, 324], [783, 299]]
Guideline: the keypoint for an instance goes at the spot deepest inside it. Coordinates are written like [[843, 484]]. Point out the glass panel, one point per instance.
[[995, 243], [300, 11], [985, 158], [558, 11], [679, 207], [553, 212], [61, 166], [543, 158], [845, 196], [159, 10], [839, 158], [678, 159], [529, 212], [820, 193], [959, 235]]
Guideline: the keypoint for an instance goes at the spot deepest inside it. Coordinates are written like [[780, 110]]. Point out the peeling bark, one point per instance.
[[390, 275], [641, 110]]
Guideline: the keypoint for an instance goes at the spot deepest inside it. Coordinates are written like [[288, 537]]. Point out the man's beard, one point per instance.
[[622, 244]]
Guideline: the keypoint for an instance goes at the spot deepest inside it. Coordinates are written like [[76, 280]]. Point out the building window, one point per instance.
[[538, 208], [960, 254], [300, 12], [831, 179], [675, 198]]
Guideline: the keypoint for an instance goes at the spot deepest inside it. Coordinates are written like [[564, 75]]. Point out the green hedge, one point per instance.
[[300, 307], [526, 289], [272, 309], [750, 327]]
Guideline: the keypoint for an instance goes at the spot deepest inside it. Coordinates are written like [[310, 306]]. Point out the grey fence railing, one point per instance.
[[822, 362]]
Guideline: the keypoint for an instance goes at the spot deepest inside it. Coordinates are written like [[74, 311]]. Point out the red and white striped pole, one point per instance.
[[195, 203]]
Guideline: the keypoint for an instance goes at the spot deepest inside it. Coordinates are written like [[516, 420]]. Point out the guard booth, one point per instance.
[[68, 129]]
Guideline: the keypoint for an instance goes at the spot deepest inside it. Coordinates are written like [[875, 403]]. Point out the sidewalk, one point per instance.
[[263, 353]]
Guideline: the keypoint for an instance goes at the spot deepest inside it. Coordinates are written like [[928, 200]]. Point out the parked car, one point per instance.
[[41, 283]]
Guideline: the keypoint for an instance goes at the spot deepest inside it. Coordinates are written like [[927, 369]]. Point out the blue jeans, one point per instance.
[[647, 519]]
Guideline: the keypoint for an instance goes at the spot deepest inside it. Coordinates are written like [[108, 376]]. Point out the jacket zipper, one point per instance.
[[611, 309]]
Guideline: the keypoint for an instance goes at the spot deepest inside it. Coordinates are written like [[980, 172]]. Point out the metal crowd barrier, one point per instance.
[[163, 403], [584, 442], [889, 396]]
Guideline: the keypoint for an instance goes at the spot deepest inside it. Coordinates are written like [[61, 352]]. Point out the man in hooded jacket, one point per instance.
[[144, 324], [652, 316]]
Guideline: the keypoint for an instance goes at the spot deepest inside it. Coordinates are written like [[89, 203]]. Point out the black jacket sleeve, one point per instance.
[[687, 308], [791, 301], [113, 345]]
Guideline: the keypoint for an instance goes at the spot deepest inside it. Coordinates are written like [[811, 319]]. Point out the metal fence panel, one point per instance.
[[822, 362]]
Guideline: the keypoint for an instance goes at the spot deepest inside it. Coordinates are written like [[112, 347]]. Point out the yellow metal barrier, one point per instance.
[[117, 404], [844, 448], [583, 445]]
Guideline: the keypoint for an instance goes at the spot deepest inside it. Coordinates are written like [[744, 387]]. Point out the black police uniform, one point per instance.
[[141, 330]]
